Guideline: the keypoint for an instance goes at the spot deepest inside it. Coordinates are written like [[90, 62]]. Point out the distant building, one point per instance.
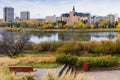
[[74, 17], [38, 19], [25, 15], [50, 18], [1, 19], [110, 17], [17, 18], [58, 18], [42, 20], [8, 13], [118, 19], [98, 18]]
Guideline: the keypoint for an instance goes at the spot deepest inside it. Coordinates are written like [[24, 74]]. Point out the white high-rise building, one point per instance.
[[110, 17], [8, 14], [50, 18], [25, 15]]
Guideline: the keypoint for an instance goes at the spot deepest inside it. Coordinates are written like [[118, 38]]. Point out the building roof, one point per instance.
[[81, 14], [8, 8], [76, 14], [65, 15]]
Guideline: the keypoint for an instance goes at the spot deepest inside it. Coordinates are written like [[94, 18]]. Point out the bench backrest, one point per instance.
[[21, 68]]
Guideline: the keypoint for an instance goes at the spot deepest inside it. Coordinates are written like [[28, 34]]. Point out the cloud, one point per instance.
[[42, 8]]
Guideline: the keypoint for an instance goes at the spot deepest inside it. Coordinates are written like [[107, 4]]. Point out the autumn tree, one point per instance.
[[61, 22], [80, 25], [48, 25], [106, 24], [92, 26], [60, 26], [102, 23], [118, 26], [68, 26], [12, 43], [32, 23], [2, 24]]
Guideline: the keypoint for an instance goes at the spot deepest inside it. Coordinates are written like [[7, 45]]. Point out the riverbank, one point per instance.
[[59, 30], [79, 30]]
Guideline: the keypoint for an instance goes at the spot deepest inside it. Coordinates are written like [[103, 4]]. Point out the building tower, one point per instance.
[[8, 14], [25, 15], [73, 8]]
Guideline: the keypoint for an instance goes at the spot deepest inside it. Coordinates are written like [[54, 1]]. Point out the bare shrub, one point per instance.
[[12, 43]]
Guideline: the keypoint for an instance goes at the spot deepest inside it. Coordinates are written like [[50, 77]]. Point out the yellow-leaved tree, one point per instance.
[[60, 26], [68, 26], [48, 25], [80, 25], [32, 23], [118, 26], [103, 23], [2, 23], [92, 26]]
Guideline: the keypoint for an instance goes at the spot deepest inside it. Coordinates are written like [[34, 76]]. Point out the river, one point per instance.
[[75, 36], [37, 37]]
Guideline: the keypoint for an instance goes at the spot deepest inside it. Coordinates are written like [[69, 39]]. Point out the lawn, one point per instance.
[[40, 65]]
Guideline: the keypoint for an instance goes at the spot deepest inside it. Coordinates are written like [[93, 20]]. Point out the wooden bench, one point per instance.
[[21, 69]]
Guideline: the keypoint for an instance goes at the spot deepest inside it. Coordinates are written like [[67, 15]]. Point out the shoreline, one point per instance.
[[59, 30]]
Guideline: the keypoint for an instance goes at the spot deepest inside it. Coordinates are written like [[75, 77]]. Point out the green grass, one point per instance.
[[40, 65], [42, 54]]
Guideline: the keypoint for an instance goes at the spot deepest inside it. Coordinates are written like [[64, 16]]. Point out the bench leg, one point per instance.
[[15, 73]]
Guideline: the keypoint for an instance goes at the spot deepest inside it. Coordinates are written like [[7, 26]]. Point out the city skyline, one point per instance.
[[42, 8]]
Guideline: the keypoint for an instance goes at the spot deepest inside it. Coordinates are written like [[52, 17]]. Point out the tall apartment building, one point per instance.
[[8, 14], [74, 17], [25, 15]]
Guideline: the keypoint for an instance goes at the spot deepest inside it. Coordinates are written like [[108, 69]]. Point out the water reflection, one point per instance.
[[104, 36], [38, 39], [74, 37], [68, 36], [89, 36]]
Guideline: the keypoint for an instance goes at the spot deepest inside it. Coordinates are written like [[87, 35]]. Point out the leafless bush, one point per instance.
[[12, 43]]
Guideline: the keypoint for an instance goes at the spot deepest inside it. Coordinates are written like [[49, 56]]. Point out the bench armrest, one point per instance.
[[35, 70]]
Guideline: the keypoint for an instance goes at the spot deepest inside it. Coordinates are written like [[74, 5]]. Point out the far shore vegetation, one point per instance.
[[59, 30], [60, 26]]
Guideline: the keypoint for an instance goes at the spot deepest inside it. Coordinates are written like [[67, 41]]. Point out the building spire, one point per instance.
[[74, 8]]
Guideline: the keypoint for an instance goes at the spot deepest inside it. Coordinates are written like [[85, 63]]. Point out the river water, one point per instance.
[[37, 37], [75, 36]]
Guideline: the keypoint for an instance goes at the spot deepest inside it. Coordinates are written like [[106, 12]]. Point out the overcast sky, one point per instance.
[[42, 8]]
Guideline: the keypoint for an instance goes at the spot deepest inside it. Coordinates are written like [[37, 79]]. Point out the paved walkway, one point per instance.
[[99, 75], [40, 73], [104, 75]]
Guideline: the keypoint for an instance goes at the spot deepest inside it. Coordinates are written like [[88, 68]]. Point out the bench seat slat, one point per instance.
[[21, 69]]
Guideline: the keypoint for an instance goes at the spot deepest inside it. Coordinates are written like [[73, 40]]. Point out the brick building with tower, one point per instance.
[[74, 17]]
